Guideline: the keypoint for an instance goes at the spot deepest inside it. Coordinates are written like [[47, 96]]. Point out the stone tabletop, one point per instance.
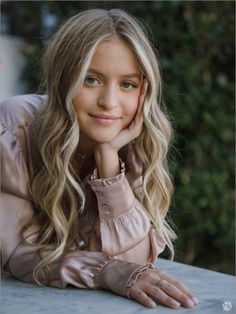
[[215, 291]]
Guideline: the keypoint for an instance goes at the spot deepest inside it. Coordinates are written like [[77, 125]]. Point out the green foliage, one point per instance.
[[195, 44]]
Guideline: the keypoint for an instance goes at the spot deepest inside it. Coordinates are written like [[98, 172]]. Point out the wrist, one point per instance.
[[135, 275], [114, 276], [107, 161]]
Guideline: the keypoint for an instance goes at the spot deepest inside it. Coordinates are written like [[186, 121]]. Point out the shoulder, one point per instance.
[[20, 110]]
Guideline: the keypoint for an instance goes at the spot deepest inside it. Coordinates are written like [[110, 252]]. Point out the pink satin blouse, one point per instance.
[[120, 237]]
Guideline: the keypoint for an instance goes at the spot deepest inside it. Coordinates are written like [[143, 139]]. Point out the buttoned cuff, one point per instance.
[[114, 195]]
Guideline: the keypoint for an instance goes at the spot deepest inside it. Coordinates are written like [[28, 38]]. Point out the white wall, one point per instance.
[[11, 65]]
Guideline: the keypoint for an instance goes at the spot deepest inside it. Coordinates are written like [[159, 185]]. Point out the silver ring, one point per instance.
[[161, 283]]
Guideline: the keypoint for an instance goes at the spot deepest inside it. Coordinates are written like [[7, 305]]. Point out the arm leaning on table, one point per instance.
[[125, 230]]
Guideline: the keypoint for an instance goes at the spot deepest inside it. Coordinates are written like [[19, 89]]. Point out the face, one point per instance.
[[108, 100]]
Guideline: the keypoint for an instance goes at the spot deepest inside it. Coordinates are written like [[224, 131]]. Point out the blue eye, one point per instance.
[[128, 85], [91, 80]]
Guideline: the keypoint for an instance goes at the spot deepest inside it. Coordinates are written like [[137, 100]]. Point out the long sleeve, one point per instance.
[[125, 228]]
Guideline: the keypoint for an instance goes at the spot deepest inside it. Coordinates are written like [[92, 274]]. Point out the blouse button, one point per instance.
[[105, 208]]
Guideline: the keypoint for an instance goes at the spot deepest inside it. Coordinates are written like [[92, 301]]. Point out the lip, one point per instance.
[[104, 119]]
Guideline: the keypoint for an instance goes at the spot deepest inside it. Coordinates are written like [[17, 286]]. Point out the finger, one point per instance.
[[137, 124], [142, 298], [176, 294], [143, 92], [180, 286], [161, 297], [144, 87]]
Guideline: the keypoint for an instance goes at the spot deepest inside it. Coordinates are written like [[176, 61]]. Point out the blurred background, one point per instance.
[[195, 43]]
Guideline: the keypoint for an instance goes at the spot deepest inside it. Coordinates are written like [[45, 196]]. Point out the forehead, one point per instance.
[[115, 56]]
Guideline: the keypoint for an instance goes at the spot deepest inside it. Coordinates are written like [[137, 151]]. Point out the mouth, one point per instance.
[[104, 119]]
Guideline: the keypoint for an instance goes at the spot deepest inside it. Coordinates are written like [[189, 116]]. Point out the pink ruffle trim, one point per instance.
[[100, 268], [94, 180], [135, 275]]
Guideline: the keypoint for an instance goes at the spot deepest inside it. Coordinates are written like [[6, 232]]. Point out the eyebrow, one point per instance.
[[131, 75]]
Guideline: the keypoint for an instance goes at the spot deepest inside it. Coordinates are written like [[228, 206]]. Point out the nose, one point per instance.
[[108, 97]]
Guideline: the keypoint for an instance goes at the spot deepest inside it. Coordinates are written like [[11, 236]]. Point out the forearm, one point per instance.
[[78, 268], [107, 162]]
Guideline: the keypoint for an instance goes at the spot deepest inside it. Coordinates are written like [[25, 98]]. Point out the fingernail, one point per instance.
[[189, 303], [175, 303], [195, 300], [152, 303]]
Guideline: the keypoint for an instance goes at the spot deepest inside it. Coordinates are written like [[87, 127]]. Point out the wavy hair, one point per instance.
[[55, 191]]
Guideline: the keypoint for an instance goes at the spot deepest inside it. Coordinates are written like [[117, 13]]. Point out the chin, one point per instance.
[[103, 138]]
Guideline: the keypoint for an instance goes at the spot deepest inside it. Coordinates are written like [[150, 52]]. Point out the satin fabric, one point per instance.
[[120, 236]]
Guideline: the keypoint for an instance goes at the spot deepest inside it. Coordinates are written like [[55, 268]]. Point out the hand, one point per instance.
[[135, 127], [172, 293]]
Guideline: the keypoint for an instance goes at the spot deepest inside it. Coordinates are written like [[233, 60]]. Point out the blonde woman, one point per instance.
[[86, 187]]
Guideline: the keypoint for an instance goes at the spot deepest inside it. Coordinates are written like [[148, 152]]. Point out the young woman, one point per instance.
[[86, 187]]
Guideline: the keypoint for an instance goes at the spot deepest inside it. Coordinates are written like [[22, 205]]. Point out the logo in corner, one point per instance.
[[227, 306]]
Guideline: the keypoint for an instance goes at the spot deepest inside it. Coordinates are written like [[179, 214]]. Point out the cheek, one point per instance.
[[82, 100], [77, 102]]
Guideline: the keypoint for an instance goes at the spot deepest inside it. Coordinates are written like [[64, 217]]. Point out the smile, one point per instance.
[[104, 119]]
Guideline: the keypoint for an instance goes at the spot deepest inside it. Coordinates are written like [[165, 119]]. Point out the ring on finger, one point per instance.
[[161, 283]]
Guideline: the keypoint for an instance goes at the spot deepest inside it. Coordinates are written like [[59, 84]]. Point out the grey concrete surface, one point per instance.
[[215, 291]]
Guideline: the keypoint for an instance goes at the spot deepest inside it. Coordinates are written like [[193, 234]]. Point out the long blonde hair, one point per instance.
[[56, 193]]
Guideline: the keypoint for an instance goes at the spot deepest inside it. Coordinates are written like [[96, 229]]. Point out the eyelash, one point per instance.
[[87, 78]]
